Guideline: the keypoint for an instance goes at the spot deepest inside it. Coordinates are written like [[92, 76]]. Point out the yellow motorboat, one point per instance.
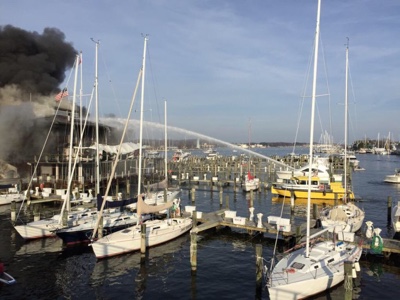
[[297, 187]]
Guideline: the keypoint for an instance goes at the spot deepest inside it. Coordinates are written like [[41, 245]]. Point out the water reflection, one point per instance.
[[157, 261]]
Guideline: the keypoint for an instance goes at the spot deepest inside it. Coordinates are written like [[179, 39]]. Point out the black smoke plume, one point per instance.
[[34, 62], [33, 67]]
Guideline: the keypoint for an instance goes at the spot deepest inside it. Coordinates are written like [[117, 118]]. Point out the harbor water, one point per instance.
[[226, 262]]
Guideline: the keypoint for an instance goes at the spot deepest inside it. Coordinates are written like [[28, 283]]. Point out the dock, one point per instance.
[[389, 246], [293, 235], [221, 218]]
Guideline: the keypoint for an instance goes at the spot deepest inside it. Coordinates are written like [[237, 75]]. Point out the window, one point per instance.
[[297, 265]]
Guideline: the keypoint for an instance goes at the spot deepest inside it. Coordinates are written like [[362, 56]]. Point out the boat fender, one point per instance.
[[357, 266], [376, 244], [369, 230], [353, 273]]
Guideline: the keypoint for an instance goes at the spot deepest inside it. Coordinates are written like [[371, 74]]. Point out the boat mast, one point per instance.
[[345, 122], [71, 138], [314, 89], [141, 116], [165, 143], [80, 98], [97, 121], [115, 163]]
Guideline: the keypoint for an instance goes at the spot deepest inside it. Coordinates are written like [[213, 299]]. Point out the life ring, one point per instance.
[[321, 187]]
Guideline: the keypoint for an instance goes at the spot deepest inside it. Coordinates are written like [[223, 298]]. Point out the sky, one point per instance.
[[235, 70]]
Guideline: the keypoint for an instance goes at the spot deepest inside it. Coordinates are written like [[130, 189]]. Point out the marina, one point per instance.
[[102, 198], [223, 248]]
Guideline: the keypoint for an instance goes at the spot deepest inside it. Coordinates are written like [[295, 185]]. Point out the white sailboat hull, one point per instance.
[[297, 276], [8, 198], [37, 229], [348, 217], [45, 228], [129, 239], [306, 288], [251, 185]]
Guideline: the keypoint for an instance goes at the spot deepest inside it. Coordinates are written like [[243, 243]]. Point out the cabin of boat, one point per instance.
[[321, 188], [180, 155]]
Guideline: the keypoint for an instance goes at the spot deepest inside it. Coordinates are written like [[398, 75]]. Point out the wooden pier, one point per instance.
[[221, 218]]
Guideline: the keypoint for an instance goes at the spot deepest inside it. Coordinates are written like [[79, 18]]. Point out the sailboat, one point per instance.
[[157, 231], [348, 216], [129, 239], [10, 193], [251, 183], [114, 218], [158, 193], [45, 227], [313, 269]]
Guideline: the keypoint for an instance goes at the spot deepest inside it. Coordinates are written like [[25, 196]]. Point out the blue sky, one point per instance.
[[230, 67]]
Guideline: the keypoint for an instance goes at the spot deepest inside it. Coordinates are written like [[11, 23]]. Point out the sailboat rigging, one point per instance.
[[114, 218], [46, 227], [347, 215], [157, 231], [311, 270]]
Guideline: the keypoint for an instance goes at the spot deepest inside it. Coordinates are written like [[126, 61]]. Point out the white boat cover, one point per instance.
[[125, 148], [143, 208]]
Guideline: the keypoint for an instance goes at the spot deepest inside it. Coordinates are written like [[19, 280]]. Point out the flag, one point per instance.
[[62, 94]]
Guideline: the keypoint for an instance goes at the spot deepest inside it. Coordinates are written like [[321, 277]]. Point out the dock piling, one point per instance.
[[65, 218], [13, 210], [221, 192], [389, 209], [259, 266], [193, 252], [143, 238], [348, 279], [298, 234], [315, 211], [292, 202], [36, 213], [194, 218], [259, 223], [251, 217], [193, 194], [100, 231]]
